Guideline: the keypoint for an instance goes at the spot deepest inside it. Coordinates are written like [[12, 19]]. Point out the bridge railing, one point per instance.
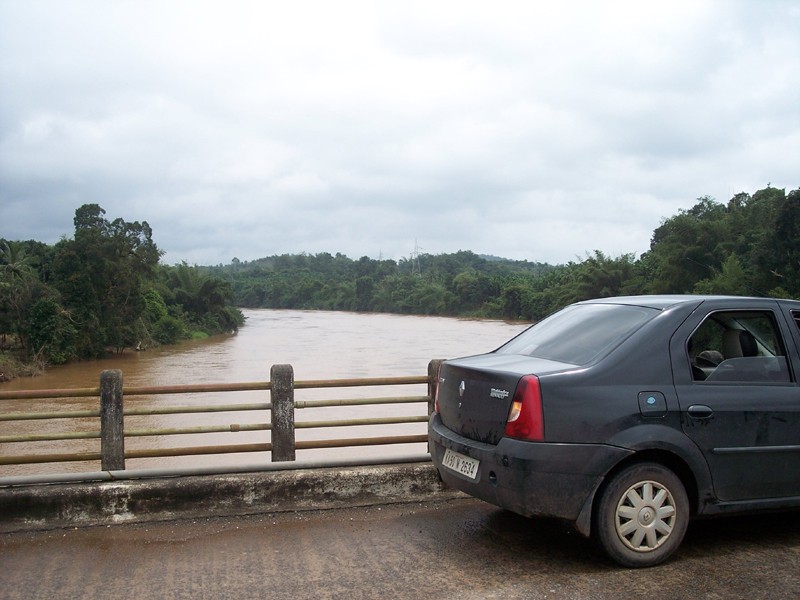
[[282, 426]]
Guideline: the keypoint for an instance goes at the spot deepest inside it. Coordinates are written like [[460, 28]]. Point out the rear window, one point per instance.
[[580, 334]]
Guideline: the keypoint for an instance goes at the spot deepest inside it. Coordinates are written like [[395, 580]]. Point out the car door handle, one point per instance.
[[700, 411]]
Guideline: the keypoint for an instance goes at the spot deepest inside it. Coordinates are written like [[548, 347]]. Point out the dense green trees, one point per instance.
[[450, 284], [100, 276], [748, 246], [21, 291], [204, 300], [103, 290]]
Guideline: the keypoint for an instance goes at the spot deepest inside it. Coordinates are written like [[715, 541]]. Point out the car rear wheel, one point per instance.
[[642, 515]]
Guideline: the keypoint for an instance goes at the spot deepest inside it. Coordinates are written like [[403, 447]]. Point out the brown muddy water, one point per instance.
[[318, 345]]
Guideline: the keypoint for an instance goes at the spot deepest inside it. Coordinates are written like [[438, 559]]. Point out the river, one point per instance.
[[318, 345]]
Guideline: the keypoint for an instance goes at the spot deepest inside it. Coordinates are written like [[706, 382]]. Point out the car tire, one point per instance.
[[642, 514]]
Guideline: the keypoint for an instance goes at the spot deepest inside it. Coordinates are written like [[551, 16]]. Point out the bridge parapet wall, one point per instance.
[[87, 503], [118, 494]]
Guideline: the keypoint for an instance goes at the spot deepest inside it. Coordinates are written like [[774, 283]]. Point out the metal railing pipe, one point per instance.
[[181, 410], [75, 414], [358, 401], [197, 450], [50, 437], [137, 474], [361, 382], [360, 422], [232, 428], [374, 441], [35, 459], [198, 388]]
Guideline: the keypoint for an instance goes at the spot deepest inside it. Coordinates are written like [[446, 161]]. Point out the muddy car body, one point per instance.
[[629, 416]]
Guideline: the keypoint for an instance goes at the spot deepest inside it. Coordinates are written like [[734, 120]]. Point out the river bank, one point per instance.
[[303, 333], [12, 366]]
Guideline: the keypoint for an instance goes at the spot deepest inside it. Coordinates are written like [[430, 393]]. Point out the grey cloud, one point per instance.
[[531, 130]]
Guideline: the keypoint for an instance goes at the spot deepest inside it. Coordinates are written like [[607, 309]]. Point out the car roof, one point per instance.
[[665, 301]]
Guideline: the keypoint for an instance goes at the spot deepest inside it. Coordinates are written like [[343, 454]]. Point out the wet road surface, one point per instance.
[[461, 549]]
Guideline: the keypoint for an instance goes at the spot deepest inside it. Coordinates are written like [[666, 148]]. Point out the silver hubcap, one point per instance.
[[645, 516]]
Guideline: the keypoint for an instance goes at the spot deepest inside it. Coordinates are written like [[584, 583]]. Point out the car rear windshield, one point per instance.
[[581, 333]]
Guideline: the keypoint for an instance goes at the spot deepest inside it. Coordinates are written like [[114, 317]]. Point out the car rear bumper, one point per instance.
[[528, 478]]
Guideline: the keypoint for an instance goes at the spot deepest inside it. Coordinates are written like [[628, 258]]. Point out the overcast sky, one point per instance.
[[528, 130]]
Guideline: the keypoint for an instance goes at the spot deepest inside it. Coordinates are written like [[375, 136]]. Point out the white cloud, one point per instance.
[[528, 130]]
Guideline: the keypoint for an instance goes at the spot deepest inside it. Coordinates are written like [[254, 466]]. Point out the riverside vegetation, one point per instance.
[[748, 246], [105, 289]]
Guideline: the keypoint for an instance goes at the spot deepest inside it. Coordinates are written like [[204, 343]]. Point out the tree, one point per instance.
[[472, 289], [731, 280], [687, 248], [600, 276], [17, 277], [203, 298], [52, 334], [100, 275], [693, 246], [103, 289], [365, 288], [782, 261]]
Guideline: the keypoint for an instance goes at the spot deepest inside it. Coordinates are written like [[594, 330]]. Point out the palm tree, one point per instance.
[[201, 296], [17, 275]]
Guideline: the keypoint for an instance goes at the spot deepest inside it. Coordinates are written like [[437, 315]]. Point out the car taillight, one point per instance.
[[526, 418]]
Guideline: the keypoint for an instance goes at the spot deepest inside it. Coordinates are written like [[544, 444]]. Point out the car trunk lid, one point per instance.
[[475, 393]]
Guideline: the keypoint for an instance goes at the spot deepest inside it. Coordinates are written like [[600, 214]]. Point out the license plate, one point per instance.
[[461, 464]]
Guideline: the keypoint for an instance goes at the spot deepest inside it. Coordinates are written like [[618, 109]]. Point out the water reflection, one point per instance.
[[319, 345]]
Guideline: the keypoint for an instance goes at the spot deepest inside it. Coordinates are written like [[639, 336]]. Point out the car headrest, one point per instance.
[[738, 343]]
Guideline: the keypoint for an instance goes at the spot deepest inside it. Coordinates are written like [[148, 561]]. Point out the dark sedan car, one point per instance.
[[629, 416]]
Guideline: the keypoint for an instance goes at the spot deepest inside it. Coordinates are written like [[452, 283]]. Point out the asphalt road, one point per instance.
[[461, 549]]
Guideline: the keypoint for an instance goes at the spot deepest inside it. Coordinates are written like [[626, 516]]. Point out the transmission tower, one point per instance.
[[415, 268]]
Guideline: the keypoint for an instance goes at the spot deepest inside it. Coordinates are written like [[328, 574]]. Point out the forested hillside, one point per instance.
[[749, 246], [105, 289]]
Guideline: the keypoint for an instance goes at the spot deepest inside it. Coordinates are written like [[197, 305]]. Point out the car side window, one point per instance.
[[738, 346]]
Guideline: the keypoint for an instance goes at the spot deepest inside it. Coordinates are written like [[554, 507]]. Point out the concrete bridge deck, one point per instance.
[[454, 548], [386, 531]]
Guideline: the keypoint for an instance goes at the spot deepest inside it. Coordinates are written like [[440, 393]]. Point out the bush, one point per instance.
[[52, 334], [169, 330]]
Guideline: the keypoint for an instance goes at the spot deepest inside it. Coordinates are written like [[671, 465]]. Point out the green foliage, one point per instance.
[[169, 330], [449, 284], [731, 281], [693, 250], [781, 259], [101, 291], [155, 308], [104, 289], [52, 334], [711, 247], [17, 283], [100, 275], [203, 299]]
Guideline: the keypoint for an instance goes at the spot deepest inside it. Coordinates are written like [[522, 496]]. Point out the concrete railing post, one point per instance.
[[282, 380], [433, 382], [112, 432]]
